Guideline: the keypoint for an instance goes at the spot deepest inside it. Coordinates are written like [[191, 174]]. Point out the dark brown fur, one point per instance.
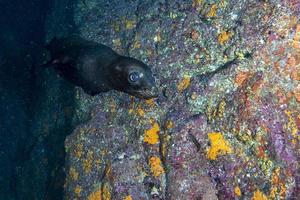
[[97, 68]]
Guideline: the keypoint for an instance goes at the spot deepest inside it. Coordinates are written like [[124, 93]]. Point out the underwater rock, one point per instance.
[[227, 123]]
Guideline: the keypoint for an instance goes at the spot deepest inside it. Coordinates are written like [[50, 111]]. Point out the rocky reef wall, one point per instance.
[[226, 123]]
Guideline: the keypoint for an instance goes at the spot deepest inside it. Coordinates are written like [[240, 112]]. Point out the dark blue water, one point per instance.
[[22, 150]]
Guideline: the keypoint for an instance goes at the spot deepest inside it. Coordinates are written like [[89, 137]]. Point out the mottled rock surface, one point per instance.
[[226, 125]]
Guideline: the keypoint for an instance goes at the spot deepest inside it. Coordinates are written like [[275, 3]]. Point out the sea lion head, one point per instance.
[[133, 77]]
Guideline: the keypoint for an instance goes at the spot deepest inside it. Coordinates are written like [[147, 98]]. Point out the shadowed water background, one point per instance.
[[31, 153]]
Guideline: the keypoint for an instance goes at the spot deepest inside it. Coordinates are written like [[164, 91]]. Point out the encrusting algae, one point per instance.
[[184, 83], [155, 166], [128, 197], [197, 3], [101, 193], [129, 24], [258, 195], [292, 126], [219, 146], [78, 190], [87, 162], [296, 40], [151, 135], [73, 174], [224, 37], [213, 11], [241, 77], [95, 195], [237, 191]]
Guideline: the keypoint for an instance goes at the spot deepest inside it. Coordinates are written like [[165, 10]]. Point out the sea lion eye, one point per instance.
[[134, 76]]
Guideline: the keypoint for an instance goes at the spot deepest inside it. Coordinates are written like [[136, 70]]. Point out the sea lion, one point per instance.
[[97, 68]]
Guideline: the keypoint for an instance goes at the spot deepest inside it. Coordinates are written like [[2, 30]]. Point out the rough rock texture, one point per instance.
[[226, 125]]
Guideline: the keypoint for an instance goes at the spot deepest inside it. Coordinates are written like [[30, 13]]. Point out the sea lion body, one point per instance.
[[97, 68]]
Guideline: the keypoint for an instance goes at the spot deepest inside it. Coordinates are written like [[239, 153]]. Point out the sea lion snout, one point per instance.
[[152, 93], [135, 78], [148, 89]]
